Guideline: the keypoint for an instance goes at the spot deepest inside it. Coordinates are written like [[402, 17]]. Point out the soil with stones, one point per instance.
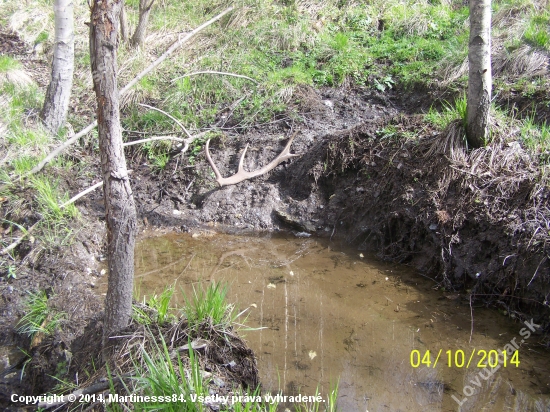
[[370, 171]]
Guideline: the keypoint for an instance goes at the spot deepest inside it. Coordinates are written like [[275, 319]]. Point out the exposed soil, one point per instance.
[[370, 171]]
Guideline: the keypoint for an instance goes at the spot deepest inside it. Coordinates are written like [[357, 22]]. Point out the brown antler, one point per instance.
[[243, 174]]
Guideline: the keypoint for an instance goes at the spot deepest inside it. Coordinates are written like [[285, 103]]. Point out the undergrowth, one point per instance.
[[169, 367], [39, 316]]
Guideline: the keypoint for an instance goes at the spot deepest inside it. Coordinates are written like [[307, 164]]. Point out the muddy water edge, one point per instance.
[[328, 313]]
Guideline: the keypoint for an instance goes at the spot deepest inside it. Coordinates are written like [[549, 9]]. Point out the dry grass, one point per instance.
[[17, 77], [525, 62]]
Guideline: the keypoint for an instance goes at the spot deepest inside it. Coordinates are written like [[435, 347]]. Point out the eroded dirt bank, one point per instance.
[[371, 171]]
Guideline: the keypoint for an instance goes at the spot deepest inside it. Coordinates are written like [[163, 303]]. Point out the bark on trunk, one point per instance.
[[56, 103], [120, 211], [124, 26], [480, 78], [144, 11]]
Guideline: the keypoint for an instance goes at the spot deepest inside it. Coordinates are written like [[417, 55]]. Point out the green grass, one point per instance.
[[160, 304], [49, 199], [535, 136], [209, 305], [537, 32], [8, 63], [158, 376], [39, 316], [448, 113]]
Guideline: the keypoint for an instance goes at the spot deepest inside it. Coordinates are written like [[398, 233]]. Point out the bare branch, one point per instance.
[[215, 72], [243, 174], [83, 193], [18, 241], [186, 143], [170, 116], [125, 89]]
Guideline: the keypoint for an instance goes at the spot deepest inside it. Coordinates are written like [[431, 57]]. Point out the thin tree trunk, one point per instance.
[[56, 102], [124, 26], [120, 211], [144, 11], [480, 79]]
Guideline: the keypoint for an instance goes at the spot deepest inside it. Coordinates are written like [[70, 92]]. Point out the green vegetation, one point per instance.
[[7, 63], [283, 46], [39, 316], [537, 32], [449, 112], [159, 305], [209, 305], [160, 371], [536, 136]]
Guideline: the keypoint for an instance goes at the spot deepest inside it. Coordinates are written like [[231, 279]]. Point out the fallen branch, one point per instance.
[[182, 127], [186, 143], [18, 241], [95, 388], [215, 72], [136, 79]]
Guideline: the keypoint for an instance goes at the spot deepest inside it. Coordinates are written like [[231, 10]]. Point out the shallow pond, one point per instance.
[[331, 314]]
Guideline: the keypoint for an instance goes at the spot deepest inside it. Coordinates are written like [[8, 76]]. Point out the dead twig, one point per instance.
[[95, 388], [215, 72], [18, 241]]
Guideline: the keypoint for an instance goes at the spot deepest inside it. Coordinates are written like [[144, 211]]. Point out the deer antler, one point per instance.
[[243, 174]]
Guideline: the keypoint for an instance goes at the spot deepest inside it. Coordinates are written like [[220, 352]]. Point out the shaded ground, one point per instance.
[[370, 171]]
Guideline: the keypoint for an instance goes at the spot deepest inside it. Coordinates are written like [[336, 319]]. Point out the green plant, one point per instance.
[[12, 272], [384, 83], [42, 37], [39, 316], [8, 63], [50, 200], [449, 112], [159, 304], [535, 136], [537, 33], [158, 376], [209, 305]]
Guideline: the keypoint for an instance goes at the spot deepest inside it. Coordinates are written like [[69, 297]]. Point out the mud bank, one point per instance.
[[377, 175]]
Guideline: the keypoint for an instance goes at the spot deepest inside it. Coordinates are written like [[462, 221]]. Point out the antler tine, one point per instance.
[[241, 161], [243, 174], [217, 173]]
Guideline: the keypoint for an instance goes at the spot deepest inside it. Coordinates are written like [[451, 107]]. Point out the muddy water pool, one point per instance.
[[329, 313]]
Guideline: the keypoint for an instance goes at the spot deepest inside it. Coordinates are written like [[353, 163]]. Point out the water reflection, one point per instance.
[[329, 315]]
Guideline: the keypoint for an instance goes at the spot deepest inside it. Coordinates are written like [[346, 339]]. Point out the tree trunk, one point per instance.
[[56, 102], [124, 26], [144, 11], [480, 79], [120, 211]]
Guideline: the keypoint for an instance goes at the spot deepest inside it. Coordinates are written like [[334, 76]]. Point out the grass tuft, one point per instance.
[[157, 309], [39, 316], [449, 112], [209, 305]]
